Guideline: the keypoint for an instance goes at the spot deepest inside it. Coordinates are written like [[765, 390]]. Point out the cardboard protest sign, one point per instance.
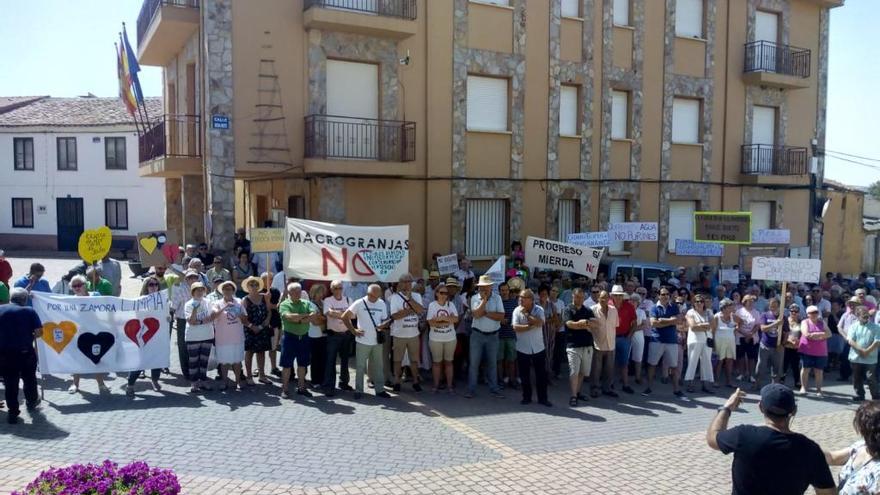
[[687, 247], [729, 275], [326, 251], [267, 240], [94, 244], [102, 334], [554, 255], [157, 248], [723, 227], [447, 264], [591, 239], [771, 236], [633, 231], [786, 269]]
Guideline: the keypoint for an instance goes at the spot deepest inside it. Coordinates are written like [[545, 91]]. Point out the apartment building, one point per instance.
[[479, 122], [70, 164]]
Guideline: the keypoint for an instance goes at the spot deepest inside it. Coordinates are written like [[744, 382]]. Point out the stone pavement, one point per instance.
[[256, 443]]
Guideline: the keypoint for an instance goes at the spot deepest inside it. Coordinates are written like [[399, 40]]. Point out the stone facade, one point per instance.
[[174, 208], [192, 189], [331, 199], [219, 146], [677, 192], [462, 190]]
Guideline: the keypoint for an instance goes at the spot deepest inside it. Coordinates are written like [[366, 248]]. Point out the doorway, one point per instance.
[[70, 223]]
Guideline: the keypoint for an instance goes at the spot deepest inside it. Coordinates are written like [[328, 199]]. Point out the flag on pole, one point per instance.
[[124, 92], [132, 67]]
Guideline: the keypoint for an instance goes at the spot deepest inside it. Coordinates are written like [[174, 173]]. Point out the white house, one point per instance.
[[69, 164]]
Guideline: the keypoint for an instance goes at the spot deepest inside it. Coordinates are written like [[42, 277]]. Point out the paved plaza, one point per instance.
[[256, 443]]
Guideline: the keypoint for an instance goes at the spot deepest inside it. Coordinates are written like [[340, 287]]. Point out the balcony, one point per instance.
[[163, 29], [395, 19], [346, 144], [778, 66], [171, 147], [765, 159]]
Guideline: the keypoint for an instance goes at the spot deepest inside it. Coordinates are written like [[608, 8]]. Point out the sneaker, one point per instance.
[[304, 392], [594, 394], [32, 406], [129, 390], [819, 395], [582, 397], [646, 392], [628, 389], [72, 389], [383, 394], [396, 387], [346, 387], [156, 386], [276, 372], [678, 393], [285, 394], [417, 387]]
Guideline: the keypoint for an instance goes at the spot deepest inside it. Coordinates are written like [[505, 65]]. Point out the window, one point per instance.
[[486, 227], [681, 222], [24, 153], [493, 2], [114, 153], [762, 214], [616, 214], [66, 153], [621, 12], [686, 121], [568, 111], [689, 18], [296, 206], [571, 8], [22, 213], [619, 115], [568, 218], [486, 104], [116, 213]]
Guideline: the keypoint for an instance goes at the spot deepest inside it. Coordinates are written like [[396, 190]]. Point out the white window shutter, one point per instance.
[[621, 12], [681, 222], [762, 214], [486, 227], [685, 120], [486, 104], [689, 18], [619, 114], [571, 8], [567, 218], [616, 214], [568, 106]]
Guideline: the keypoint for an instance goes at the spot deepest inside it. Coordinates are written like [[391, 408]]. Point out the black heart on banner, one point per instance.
[[95, 346]]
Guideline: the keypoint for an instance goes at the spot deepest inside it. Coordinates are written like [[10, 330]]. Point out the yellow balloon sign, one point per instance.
[[94, 244]]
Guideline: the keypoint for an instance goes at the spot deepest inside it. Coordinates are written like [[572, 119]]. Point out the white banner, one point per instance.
[[553, 255], [771, 236], [591, 239], [687, 247], [447, 264], [326, 251], [729, 275], [786, 269], [633, 231], [102, 334]]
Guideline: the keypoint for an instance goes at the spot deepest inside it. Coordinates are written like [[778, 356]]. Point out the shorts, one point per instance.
[[813, 362], [668, 352], [747, 349], [622, 347], [507, 349], [295, 347], [580, 360], [637, 341], [405, 345], [442, 351], [725, 348]]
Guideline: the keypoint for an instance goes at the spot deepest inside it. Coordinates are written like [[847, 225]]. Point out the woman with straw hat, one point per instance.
[[199, 336], [257, 329], [229, 334]]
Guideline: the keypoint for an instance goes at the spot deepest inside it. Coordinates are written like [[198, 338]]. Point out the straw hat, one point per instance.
[[617, 290], [197, 285], [245, 282], [485, 281], [452, 281], [225, 284], [516, 283]]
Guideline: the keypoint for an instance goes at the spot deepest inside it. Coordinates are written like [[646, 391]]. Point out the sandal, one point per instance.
[[573, 402]]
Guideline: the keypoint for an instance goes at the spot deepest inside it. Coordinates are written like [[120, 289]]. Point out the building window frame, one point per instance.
[[617, 247], [495, 230], [627, 120], [21, 147], [676, 137], [573, 109], [575, 218], [67, 160], [616, 15], [21, 206], [503, 112], [670, 240], [118, 161], [113, 212], [684, 13]]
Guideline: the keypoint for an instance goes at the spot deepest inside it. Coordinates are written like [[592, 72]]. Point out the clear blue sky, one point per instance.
[[65, 48]]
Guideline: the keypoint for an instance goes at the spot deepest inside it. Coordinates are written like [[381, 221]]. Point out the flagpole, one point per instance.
[[141, 102], [117, 56], [126, 74]]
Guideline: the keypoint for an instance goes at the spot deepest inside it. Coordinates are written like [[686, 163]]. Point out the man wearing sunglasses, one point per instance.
[[663, 343]]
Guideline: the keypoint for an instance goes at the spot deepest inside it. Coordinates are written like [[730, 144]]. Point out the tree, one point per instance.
[[874, 190]]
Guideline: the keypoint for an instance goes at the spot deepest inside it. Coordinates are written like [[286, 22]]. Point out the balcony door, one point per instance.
[[767, 29], [764, 134], [353, 101]]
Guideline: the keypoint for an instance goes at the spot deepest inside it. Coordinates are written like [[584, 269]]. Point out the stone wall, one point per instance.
[[192, 198], [219, 146], [174, 208]]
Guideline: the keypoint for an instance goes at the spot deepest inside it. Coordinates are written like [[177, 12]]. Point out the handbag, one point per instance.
[[380, 336]]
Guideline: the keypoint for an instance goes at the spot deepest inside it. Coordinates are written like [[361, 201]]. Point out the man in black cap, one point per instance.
[[770, 459]]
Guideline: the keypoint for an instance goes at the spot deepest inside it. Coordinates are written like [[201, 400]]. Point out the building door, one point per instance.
[[353, 104], [764, 134], [70, 223], [767, 29], [262, 210]]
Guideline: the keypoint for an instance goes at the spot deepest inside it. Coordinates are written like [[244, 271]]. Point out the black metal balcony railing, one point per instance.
[[764, 56], [404, 9], [171, 135], [331, 136], [766, 159], [149, 9]]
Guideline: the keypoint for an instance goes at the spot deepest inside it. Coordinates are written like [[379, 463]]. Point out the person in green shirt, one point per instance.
[[167, 280], [98, 284], [295, 344], [864, 340], [4, 293]]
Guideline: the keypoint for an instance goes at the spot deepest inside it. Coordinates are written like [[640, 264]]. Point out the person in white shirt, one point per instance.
[[528, 323], [338, 340], [442, 317], [488, 311], [180, 294], [372, 323], [405, 307], [637, 341], [464, 271], [111, 270], [604, 344]]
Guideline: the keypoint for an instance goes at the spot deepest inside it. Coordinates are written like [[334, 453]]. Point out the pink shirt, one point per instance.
[[813, 347], [228, 329]]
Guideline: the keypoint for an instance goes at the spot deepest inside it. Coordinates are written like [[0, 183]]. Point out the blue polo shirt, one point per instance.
[[665, 335], [40, 286], [17, 325]]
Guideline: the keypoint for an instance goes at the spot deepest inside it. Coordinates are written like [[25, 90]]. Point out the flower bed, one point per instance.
[[106, 478]]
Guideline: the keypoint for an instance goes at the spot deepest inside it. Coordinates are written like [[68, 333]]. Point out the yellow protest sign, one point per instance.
[[267, 240], [94, 244]]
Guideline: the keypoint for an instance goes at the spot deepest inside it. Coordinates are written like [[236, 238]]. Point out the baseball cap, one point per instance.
[[777, 400]]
